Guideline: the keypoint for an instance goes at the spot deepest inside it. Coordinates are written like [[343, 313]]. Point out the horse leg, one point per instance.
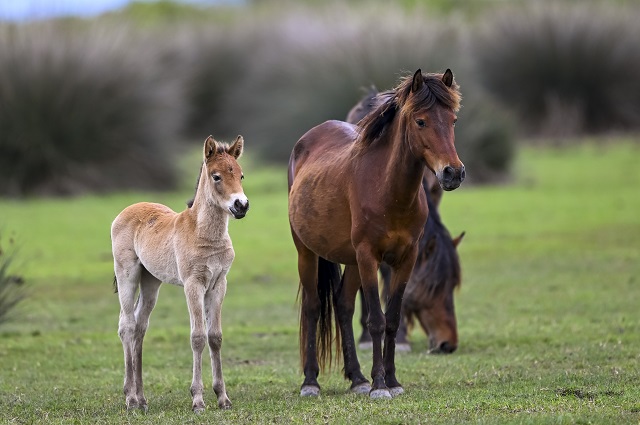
[[401, 338], [127, 277], [364, 342], [402, 342], [213, 310], [149, 288], [345, 302], [368, 270], [309, 316], [399, 281], [194, 292]]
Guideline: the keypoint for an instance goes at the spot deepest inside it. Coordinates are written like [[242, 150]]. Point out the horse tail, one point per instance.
[[329, 282]]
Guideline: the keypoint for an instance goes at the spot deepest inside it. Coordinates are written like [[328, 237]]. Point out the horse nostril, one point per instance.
[[447, 348], [238, 205], [463, 174], [448, 172]]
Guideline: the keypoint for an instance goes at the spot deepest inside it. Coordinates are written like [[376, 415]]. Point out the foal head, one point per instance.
[[426, 104], [221, 177]]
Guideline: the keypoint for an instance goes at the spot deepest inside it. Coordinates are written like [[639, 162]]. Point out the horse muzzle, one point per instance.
[[239, 209], [450, 178]]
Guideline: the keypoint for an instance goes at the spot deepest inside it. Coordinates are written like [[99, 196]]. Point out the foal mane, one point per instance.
[[401, 99]]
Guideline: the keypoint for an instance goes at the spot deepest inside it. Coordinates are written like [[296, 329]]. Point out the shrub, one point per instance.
[[11, 285], [273, 79], [83, 109], [565, 69]]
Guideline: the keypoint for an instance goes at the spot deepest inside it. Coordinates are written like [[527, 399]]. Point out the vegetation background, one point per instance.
[[99, 113]]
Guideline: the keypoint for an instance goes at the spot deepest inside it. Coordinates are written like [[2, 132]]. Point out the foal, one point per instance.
[[153, 244]]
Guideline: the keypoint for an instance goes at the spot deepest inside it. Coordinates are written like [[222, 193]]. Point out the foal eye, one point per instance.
[[455, 121], [420, 123], [242, 177], [216, 178]]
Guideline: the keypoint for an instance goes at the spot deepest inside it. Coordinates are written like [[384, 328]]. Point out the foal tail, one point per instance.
[[329, 282]]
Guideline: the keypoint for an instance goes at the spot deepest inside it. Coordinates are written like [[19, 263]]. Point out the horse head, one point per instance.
[[221, 178]]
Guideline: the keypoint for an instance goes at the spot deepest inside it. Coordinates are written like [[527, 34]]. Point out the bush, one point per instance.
[[83, 110], [11, 285], [273, 79], [565, 70]]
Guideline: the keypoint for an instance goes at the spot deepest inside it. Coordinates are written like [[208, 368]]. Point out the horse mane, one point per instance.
[[441, 270], [222, 147], [401, 99]]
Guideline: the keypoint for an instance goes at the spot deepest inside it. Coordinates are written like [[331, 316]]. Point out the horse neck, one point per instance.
[[211, 221], [404, 170]]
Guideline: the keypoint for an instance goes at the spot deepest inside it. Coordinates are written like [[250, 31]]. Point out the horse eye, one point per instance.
[[242, 177], [420, 123], [216, 178]]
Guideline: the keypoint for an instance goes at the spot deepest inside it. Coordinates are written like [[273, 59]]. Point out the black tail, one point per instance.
[[329, 279]]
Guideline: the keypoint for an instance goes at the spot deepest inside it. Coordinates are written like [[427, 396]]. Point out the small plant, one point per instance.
[[11, 285]]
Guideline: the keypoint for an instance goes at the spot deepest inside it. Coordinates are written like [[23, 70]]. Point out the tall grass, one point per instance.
[[83, 109], [565, 69]]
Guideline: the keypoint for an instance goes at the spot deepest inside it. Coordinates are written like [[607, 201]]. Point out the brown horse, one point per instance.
[[356, 198], [153, 244], [429, 293]]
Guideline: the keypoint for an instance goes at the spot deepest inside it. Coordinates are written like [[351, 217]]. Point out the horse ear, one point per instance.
[[210, 148], [417, 82], [235, 150], [457, 240], [447, 78]]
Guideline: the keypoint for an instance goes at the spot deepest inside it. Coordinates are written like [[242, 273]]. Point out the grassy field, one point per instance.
[[547, 313]]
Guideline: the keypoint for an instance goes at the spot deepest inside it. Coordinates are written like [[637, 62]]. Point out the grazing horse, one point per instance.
[[429, 293], [153, 244], [356, 198]]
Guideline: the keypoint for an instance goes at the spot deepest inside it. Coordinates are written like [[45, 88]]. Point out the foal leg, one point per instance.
[[194, 292], [149, 288], [127, 277], [213, 310], [345, 302], [364, 342]]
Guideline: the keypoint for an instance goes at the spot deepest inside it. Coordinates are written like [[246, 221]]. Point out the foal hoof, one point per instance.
[[363, 388], [380, 394], [396, 391], [309, 391], [224, 404], [198, 409], [403, 347]]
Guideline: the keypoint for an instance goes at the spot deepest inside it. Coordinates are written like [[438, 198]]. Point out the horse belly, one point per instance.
[[321, 220]]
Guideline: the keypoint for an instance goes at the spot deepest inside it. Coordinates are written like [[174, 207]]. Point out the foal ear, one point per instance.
[[210, 148], [417, 82], [235, 150], [457, 240], [447, 78]]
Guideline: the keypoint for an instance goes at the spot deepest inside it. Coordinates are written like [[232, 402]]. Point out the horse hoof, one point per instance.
[[309, 391], [403, 347], [396, 391], [367, 345], [363, 388], [198, 408], [380, 394], [224, 404]]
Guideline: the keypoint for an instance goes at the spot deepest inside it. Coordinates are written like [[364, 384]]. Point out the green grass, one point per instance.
[[547, 313]]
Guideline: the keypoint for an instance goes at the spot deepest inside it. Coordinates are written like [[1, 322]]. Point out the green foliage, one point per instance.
[[83, 109], [274, 79], [565, 69], [547, 312], [11, 285]]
